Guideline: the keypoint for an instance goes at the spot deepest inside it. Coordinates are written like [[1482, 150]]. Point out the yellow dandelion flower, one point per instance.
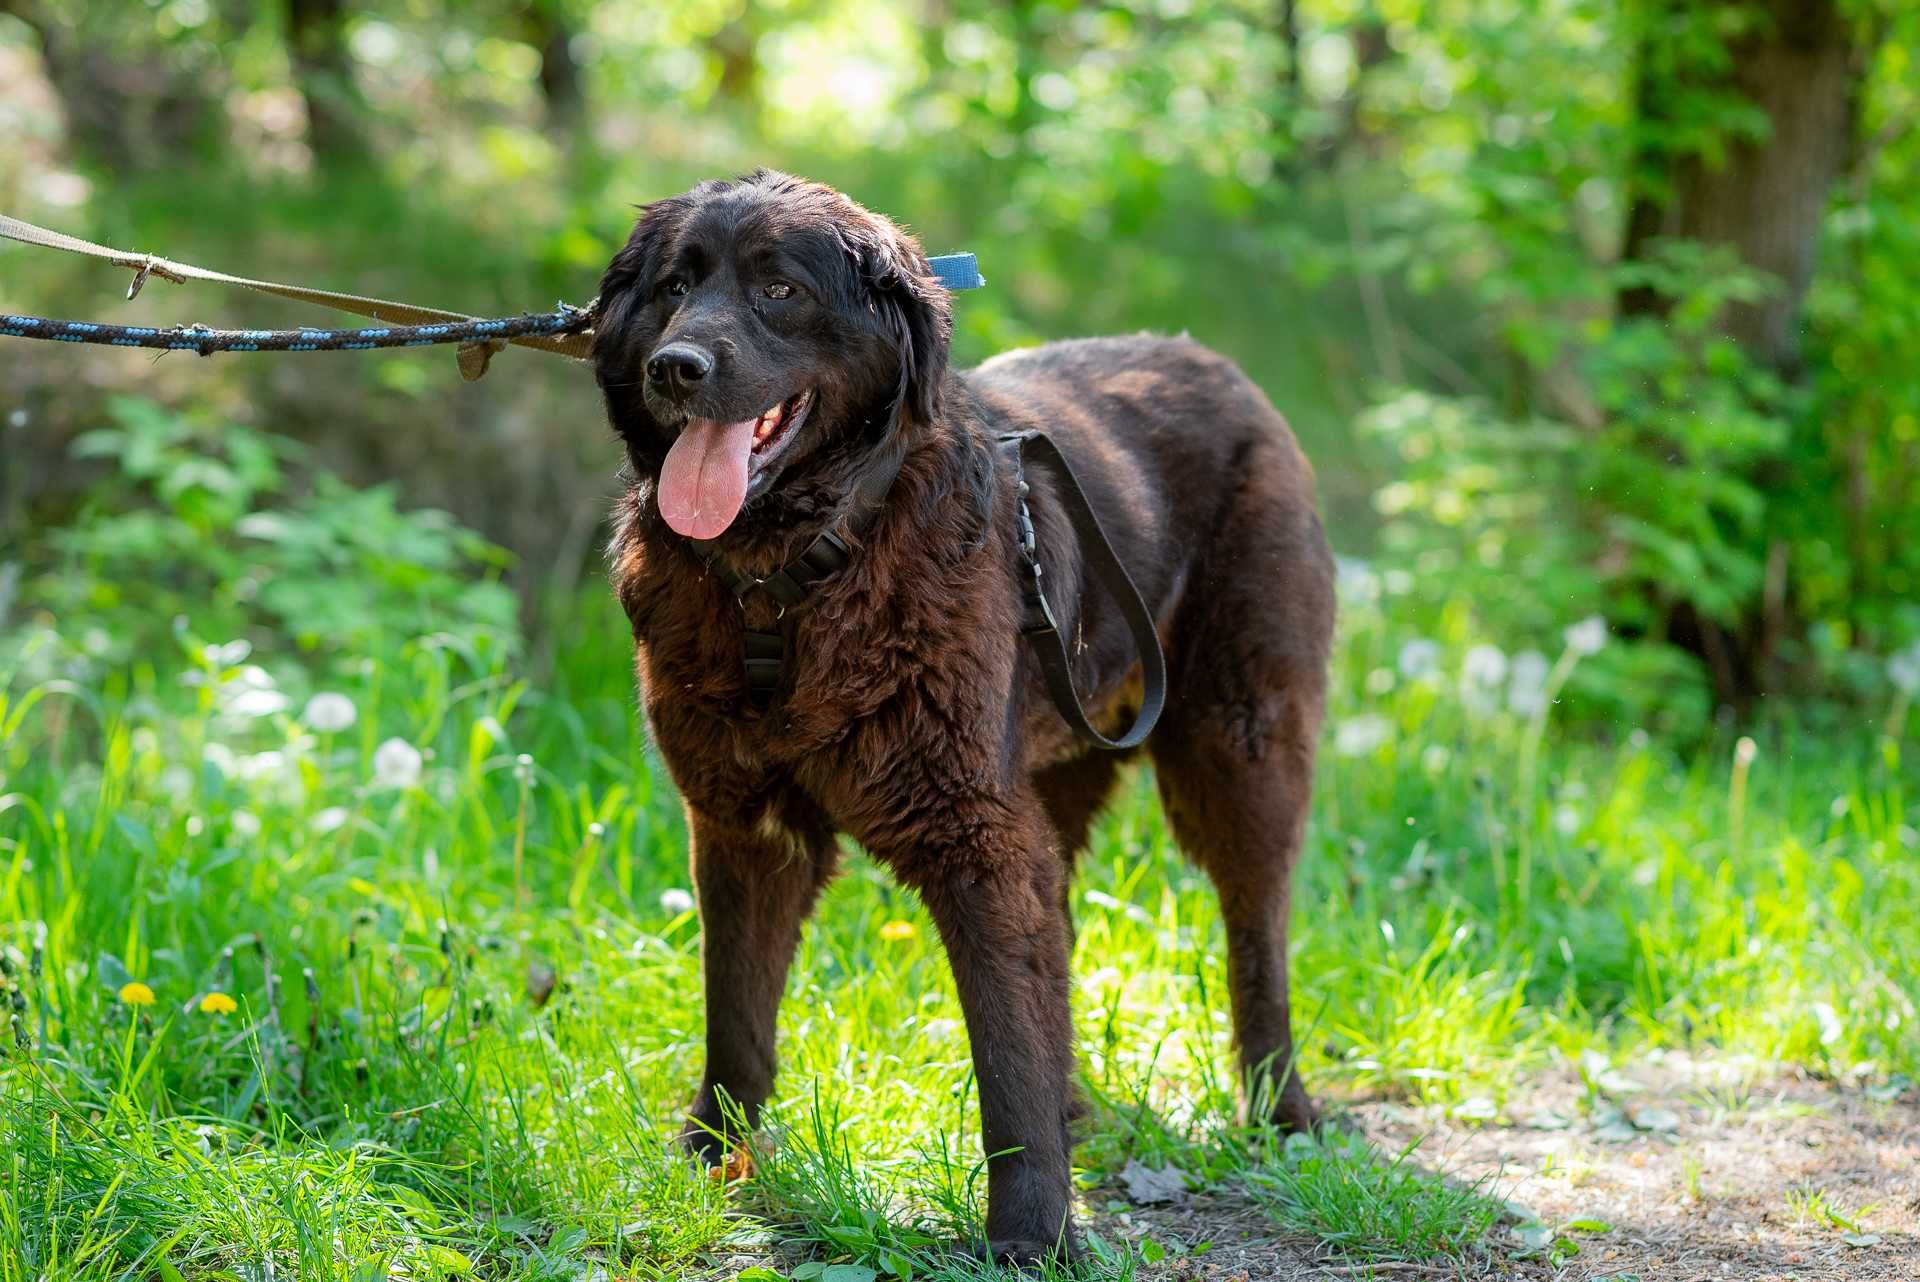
[[896, 930], [218, 1004], [136, 994]]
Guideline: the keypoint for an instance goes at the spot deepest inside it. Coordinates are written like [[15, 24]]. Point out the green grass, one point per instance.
[[466, 1022]]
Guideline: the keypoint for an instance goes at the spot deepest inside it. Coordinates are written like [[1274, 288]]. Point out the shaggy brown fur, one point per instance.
[[913, 716]]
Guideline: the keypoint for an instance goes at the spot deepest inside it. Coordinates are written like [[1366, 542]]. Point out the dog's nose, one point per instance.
[[679, 367]]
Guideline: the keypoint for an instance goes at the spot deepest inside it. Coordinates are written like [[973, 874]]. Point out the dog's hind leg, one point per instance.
[[756, 886], [1234, 757]]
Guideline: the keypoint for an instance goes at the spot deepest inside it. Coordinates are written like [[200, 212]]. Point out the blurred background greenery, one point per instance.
[[1580, 306]]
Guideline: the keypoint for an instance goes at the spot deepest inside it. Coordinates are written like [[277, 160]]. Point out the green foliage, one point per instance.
[[1393, 205], [200, 512]]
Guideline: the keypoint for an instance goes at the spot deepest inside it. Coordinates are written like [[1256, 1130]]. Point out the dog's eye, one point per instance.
[[675, 288], [778, 289]]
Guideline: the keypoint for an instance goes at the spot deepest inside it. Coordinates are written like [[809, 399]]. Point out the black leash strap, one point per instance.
[[1041, 628]]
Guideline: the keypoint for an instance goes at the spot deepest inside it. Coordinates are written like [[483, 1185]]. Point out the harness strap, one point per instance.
[[473, 356], [1039, 625], [826, 554]]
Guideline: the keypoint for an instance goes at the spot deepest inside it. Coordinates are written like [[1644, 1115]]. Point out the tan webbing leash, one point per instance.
[[473, 357]]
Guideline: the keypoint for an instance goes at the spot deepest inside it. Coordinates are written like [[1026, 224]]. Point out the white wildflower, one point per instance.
[[396, 764], [1527, 686], [245, 824], [1587, 636], [259, 765], [329, 713], [1357, 736], [1903, 669], [258, 703], [1355, 581], [1419, 658], [225, 656], [1566, 821], [1485, 665], [675, 901], [332, 819]]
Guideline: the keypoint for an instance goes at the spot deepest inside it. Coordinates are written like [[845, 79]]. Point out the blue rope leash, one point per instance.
[[207, 341]]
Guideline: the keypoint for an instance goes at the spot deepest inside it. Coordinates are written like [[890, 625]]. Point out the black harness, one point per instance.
[[830, 551], [789, 585]]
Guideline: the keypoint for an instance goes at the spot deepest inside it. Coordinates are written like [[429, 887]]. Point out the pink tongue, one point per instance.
[[704, 480]]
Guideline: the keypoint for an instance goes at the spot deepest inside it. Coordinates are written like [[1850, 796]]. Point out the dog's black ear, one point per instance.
[[632, 270], [914, 307]]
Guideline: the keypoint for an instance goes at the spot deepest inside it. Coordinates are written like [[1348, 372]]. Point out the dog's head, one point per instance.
[[757, 330]]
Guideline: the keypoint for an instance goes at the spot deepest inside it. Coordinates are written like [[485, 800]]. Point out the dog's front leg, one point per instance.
[[756, 886], [998, 907]]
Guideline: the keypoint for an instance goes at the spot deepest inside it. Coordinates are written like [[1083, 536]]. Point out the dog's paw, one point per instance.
[[725, 1158], [1030, 1256]]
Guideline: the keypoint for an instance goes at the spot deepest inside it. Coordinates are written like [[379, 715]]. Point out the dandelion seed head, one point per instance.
[[1903, 669], [1485, 665], [329, 713], [1527, 686], [258, 703], [1419, 658], [396, 765], [1357, 736], [1589, 636], [675, 901]]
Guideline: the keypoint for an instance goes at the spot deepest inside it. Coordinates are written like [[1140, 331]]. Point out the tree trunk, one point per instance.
[[1765, 197], [552, 35], [322, 67]]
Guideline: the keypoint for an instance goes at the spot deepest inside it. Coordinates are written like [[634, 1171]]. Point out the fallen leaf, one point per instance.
[[738, 1166], [1546, 1119], [1656, 1119], [540, 981], [1860, 1239], [1146, 1185], [1535, 1237]]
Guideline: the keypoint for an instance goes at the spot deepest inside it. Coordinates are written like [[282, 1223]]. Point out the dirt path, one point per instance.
[[1677, 1169]]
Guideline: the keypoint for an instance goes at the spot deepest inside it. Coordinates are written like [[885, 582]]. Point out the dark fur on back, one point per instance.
[[913, 717]]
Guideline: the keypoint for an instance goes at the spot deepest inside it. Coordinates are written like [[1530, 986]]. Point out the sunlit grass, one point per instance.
[[467, 997]]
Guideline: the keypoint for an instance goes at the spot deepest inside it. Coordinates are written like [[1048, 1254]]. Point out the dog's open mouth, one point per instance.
[[704, 480], [778, 423]]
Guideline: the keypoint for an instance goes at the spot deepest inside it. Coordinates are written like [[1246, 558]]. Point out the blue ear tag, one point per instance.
[[957, 271]]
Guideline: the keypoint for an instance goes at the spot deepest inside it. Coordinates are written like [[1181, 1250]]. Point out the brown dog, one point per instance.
[[767, 349]]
